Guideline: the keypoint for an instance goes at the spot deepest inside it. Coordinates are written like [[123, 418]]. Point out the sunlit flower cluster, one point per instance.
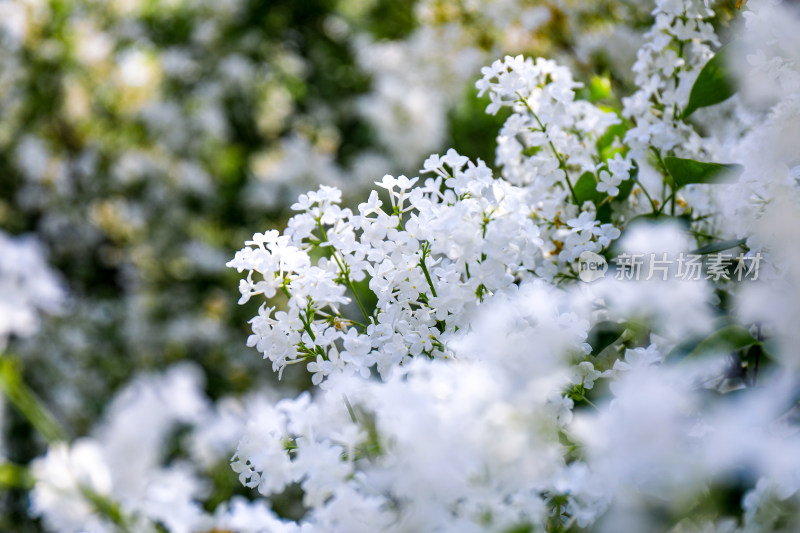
[[462, 373]]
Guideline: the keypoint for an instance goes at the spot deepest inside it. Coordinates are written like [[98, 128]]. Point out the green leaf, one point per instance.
[[15, 476], [604, 334], [715, 247], [605, 144], [726, 339], [715, 83], [685, 221], [586, 188], [604, 213], [687, 171], [626, 186], [522, 528], [729, 338]]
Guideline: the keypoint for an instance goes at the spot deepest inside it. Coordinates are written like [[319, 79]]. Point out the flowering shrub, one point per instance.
[[483, 414], [141, 140], [597, 332]]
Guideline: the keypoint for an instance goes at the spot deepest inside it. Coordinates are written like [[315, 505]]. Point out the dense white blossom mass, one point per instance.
[[463, 377]]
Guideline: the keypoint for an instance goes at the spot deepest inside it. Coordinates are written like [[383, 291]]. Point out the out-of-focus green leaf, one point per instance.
[[715, 247], [14, 476], [626, 186], [600, 88], [714, 84], [687, 171], [728, 338], [523, 528], [604, 334]]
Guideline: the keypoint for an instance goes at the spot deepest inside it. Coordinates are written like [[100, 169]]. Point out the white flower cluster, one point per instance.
[[105, 468], [122, 478], [509, 398], [431, 259], [490, 441], [442, 246], [27, 287], [164, 140], [460, 434], [677, 46], [547, 145], [468, 260]]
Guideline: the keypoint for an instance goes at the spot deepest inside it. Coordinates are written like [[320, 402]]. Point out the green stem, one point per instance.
[[307, 325], [666, 174], [350, 410], [561, 163], [588, 401], [26, 401], [672, 204], [670, 197], [106, 507], [605, 201], [425, 271], [285, 290], [358, 298], [344, 270], [649, 198], [344, 321]]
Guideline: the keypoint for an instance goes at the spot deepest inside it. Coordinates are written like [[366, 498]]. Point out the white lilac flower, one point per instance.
[[80, 486], [665, 79], [28, 287], [442, 468], [454, 276], [480, 421], [63, 475]]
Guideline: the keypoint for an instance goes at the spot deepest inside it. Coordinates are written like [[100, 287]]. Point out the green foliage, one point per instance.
[[688, 171], [604, 334], [600, 89], [586, 189], [14, 476], [626, 187], [719, 246], [469, 124], [728, 337], [522, 528], [714, 84], [24, 399], [390, 19]]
